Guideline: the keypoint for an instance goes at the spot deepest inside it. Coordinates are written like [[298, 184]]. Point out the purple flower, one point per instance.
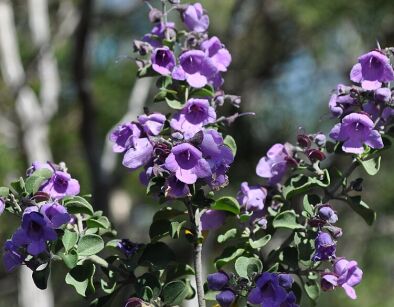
[[123, 136], [325, 247], [372, 69], [196, 68], [216, 51], [175, 188], [346, 274], [290, 301], [219, 157], [139, 154], [34, 232], [326, 213], [55, 214], [12, 257], [163, 61], [157, 34], [268, 291], [285, 280], [341, 100], [217, 281], [274, 165], [252, 197], [225, 298], [127, 247], [191, 119], [60, 185], [2, 205], [349, 275], [212, 219], [195, 19], [153, 123], [187, 163], [383, 94], [356, 130]]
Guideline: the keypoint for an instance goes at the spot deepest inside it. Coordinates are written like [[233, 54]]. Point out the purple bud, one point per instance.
[[320, 139], [327, 214], [315, 155], [225, 298], [336, 232], [155, 15], [303, 140], [383, 94], [217, 281]]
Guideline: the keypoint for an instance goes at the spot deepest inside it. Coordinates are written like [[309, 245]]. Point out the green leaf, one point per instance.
[[78, 204], [174, 104], [70, 259], [81, 278], [286, 219], [273, 268], [371, 166], [167, 213], [33, 183], [229, 253], [178, 271], [227, 203], [176, 228], [204, 92], [230, 142], [260, 242], [229, 234], [4, 191], [70, 238], [312, 289], [210, 295], [90, 245], [40, 278], [309, 201], [157, 254], [361, 208], [151, 281], [43, 172], [18, 186], [101, 222], [159, 229], [247, 267], [301, 184], [174, 293]]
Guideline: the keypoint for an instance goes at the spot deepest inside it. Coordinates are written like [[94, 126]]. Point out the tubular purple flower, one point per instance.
[[163, 61], [216, 51], [152, 123], [356, 130], [349, 275], [328, 281], [212, 219], [195, 19], [341, 100], [268, 291], [252, 197], [157, 34], [139, 154], [196, 68], [12, 258], [123, 136], [187, 163], [274, 165], [175, 188], [325, 247], [55, 214], [372, 69], [34, 233], [60, 185], [191, 119]]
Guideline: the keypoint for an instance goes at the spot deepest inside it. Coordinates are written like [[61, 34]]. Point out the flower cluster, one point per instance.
[[184, 148], [43, 214]]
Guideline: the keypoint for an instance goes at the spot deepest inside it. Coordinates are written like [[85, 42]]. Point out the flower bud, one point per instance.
[[217, 281], [225, 298], [383, 94], [141, 47], [320, 139], [315, 155], [336, 232], [155, 15], [303, 140], [327, 214]]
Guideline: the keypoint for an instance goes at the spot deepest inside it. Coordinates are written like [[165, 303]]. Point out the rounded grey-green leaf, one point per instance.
[[90, 245]]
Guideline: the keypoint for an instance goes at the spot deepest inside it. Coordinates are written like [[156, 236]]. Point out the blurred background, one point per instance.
[[67, 77]]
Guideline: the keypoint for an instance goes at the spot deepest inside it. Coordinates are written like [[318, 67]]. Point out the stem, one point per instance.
[[197, 255]]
